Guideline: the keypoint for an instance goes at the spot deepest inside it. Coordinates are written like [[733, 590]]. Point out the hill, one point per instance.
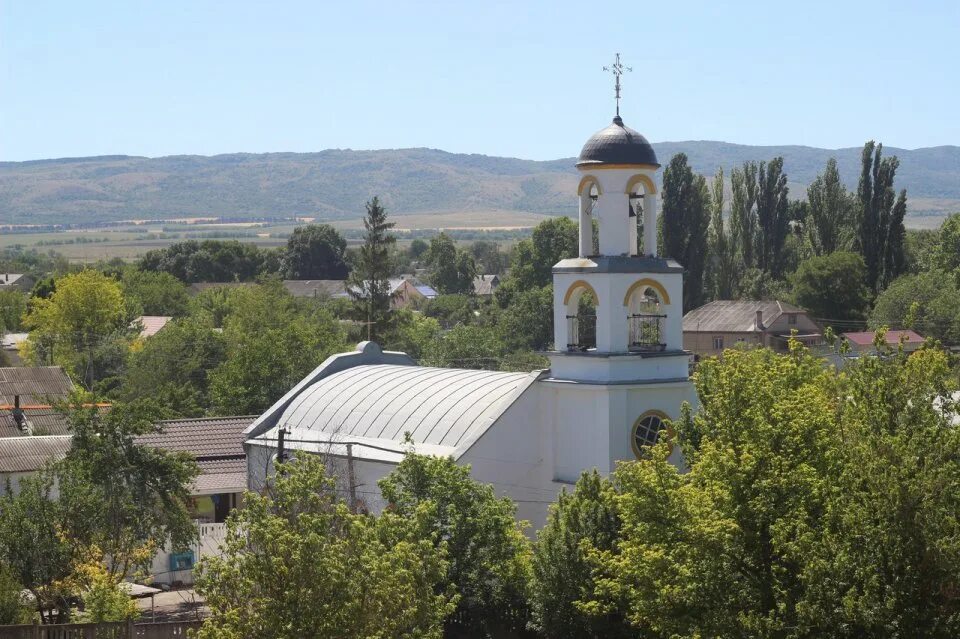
[[334, 184]]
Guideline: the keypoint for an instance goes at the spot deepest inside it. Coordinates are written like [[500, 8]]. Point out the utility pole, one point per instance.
[[281, 453], [352, 479]]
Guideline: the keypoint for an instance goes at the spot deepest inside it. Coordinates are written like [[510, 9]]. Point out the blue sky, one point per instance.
[[515, 78]]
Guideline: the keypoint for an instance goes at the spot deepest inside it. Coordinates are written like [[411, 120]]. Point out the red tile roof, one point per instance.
[[865, 338]]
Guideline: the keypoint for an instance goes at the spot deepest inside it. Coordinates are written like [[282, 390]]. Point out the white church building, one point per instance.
[[617, 370]]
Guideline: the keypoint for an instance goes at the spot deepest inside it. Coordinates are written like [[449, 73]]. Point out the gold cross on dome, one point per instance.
[[617, 69]]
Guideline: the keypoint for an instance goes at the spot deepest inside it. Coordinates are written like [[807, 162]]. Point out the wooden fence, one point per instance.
[[122, 630]]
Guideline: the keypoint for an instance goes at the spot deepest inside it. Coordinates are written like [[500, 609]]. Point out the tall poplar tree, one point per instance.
[[772, 215], [369, 282], [743, 215], [829, 223], [723, 259], [686, 221], [881, 213]]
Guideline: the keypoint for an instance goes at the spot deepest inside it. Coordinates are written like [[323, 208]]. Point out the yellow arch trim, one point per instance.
[[648, 185], [654, 284], [580, 284], [633, 431], [586, 181], [592, 166]]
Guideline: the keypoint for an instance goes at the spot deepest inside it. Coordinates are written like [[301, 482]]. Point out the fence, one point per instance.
[[121, 630]]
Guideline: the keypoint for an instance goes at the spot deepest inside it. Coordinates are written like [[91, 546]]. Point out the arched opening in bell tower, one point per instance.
[[642, 196], [589, 193], [580, 303], [645, 301]]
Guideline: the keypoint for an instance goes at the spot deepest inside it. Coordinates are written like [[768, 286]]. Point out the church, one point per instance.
[[617, 371]]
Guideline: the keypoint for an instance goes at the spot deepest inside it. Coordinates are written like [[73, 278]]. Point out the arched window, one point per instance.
[[646, 432], [581, 306]]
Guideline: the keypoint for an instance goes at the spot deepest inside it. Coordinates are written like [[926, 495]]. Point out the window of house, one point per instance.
[[646, 432], [718, 343]]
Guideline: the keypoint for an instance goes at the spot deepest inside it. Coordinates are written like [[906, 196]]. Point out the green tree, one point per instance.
[[13, 609], [533, 260], [154, 293], [488, 257], [123, 498], [463, 346], [685, 225], [881, 212], [418, 249], [946, 255], [34, 549], [718, 551], [830, 221], [526, 324], [272, 343], [928, 303], [722, 276], [369, 284], [562, 590], [412, 333], [489, 557], [297, 563], [743, 213], [84, 312], [452, 270], [773, 223], [208, 261], [315, 252], [174, 367], [831, 287], [13, 305], [451, 310]]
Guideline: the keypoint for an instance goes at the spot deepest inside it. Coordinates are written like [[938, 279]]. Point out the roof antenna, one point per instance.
[[617, 69]]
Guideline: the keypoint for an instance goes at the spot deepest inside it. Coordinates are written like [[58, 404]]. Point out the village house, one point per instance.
[[617, 374], [216, 443], [723, 324], [150, 325], [863, 342], [485, 285], [404, 292], [16, 282]]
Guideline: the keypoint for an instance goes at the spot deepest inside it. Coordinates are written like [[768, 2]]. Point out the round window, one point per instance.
[[646, 432]]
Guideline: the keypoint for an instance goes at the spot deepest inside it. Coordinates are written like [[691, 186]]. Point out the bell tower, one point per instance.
[[618, 357]]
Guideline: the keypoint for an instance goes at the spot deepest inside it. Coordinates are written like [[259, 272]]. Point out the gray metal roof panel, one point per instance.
[[27, 454], [734, 316], [437, 406]]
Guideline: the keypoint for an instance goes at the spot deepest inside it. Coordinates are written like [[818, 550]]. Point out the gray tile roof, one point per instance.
[[439, 406], [728, 316], [221, 476], [202, 437], [34, 384], [28, 454], [485, 284], [316, 288]]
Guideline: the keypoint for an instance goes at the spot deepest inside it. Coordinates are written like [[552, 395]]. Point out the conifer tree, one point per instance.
[[369, 282]]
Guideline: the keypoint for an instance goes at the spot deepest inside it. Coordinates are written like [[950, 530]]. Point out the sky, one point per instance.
[[521, 79]]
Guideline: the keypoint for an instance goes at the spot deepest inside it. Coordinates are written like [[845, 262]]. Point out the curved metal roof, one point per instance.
[[617, 144], [442, 406]]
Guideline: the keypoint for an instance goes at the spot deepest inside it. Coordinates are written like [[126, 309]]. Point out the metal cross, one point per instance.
[[617, 69]]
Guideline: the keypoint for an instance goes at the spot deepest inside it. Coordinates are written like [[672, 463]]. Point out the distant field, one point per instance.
[[131, 242]]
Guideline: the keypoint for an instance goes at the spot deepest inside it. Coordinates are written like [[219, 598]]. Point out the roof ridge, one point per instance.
[[203, 419]]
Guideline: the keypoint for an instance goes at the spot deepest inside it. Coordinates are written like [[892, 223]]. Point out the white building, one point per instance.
[[618, 368]]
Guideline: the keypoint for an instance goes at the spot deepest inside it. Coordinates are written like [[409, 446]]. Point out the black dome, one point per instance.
[[617, 144]]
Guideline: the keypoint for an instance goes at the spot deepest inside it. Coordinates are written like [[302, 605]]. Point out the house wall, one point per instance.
[[701, 342]]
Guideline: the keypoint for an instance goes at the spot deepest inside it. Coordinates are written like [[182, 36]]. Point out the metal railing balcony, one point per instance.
[[581, 332], [646, 333]]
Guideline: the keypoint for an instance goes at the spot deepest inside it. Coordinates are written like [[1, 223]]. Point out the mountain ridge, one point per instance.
[[333, 184]]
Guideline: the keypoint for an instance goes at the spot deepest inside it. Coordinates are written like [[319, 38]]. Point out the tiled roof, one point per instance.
[[34, 384], [485, 284], [221, 475], [316, 288], [9, 279], [27, 454], [865, 338], [42, 421], [151, 324], [728, 316], [202, 437]]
